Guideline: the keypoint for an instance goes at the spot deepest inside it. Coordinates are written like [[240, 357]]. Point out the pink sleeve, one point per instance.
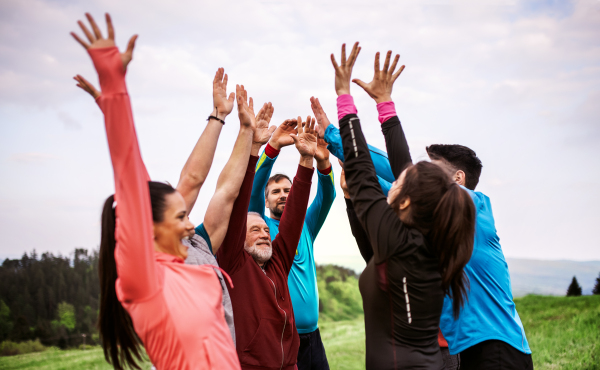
[[134, 251], [345, 105], [386, 110]]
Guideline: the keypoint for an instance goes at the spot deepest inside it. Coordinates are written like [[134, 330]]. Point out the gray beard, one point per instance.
[[260, 255]]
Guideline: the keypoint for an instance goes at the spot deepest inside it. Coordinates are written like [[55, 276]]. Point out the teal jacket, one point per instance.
[[302, 280]]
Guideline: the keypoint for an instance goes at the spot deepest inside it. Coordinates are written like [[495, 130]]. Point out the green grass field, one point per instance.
[[564, 333]]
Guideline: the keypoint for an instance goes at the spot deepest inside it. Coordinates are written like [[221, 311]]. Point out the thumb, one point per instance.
[[231, 97], [272, 130], [295, 138], [360, 83]]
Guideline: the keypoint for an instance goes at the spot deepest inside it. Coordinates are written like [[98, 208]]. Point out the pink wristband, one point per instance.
[[386, 110], [345, 105]]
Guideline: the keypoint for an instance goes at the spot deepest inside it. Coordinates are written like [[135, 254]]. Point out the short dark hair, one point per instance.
[[276, 178], [461, 158]]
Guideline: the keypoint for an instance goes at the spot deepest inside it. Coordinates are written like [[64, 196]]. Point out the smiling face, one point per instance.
[[173, 227], [277, 194], [258, 239]]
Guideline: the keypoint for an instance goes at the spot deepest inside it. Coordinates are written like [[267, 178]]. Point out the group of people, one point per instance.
[[239, 291]]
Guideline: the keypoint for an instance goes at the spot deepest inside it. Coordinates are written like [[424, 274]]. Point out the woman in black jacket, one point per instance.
[[421, 235]]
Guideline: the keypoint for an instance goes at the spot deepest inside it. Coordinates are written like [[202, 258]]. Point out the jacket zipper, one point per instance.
[[284, 322]]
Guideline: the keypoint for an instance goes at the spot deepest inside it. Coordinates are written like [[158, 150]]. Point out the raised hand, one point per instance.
[[343, 72], [320, 115], [281, 137], [245, 108], [263, 132], [380, 88], [86, 86], [306, 139], [222, 105], [97, 41]]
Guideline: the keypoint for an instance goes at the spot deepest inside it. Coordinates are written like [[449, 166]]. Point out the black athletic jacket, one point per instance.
[[401, 285]]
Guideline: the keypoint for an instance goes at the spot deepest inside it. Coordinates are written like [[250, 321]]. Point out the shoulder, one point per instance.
[[198, 252]]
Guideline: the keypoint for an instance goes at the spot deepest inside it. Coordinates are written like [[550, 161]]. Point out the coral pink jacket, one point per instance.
[[176, 308]]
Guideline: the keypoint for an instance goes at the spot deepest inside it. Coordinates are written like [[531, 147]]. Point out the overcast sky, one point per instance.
[[516, 81]]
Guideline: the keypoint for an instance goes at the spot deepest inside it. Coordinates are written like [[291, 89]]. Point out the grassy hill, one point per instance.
[[563, 333]]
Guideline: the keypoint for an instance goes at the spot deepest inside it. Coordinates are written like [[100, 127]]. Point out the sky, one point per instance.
[[516, 81]]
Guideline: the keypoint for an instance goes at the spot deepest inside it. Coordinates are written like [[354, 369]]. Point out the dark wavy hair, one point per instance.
[[121, 345], [445, 214]]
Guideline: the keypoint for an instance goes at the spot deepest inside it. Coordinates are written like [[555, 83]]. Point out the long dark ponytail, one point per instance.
[[122, 347], [445, 214]]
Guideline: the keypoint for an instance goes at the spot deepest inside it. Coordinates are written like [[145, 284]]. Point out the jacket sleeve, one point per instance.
[[383, 227], [292, 220], [362, 239], [396, 145], [231, 255], [320, 206], [134, 253], [263, 172]]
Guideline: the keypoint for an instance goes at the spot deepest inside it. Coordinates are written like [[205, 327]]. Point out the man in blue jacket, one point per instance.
[[272, 193]]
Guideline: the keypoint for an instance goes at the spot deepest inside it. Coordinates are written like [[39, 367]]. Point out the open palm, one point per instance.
[[306, 140]]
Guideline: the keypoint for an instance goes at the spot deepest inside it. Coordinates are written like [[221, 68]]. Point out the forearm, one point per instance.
[[323, 164], [231, 252], [198, 165], [306, 161], [292, 220], [263, 172], [362, 240], [320, 206], [134, 252], [395, 140], [228, 188]]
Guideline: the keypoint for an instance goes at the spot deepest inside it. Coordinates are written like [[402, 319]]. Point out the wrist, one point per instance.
[[343, 91], [323, 164], [383, 99], [255, 149], [306, 161], [219, 115], [275, 145], [270, 151]]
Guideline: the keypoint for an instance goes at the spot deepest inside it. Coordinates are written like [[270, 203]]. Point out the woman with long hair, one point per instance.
[[148, 295], [421, 235]]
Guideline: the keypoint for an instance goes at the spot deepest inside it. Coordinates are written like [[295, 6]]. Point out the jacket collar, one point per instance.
[[164, 257]]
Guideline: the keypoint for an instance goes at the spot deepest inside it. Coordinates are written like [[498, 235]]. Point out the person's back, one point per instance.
[[489, 313], [402, 301]]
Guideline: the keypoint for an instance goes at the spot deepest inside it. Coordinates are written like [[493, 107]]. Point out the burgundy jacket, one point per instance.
[[266, 336]]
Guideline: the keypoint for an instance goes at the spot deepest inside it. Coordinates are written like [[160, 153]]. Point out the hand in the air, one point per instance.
[[380, 88], [86, 86], [245, 108], [97, 41], [306, 139], [343, 72], [221, 103], [322, 153], [320, 115], [281, 137], [263, 132]]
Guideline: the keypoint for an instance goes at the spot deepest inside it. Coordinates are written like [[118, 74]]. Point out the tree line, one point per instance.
[[50, 297]]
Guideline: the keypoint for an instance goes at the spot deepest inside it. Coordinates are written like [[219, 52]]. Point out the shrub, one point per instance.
[[596, 289], [8, 348]]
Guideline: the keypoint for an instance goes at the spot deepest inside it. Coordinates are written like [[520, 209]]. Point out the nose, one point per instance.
[[189, 225]]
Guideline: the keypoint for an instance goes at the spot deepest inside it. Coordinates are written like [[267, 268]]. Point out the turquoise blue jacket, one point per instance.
[[379, 157], [302, 280]]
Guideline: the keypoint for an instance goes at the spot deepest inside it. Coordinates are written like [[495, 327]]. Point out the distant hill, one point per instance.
[[528, 276]]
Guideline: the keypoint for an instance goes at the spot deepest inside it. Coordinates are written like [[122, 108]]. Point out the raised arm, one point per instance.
[[380, 222], [231, 255], [134, 236], [280, 138], [380, 89], [196, 168], [230, 180], [361, 237], [320, 206], [292, 220]]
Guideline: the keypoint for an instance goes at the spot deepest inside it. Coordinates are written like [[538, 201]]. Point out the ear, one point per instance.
[[404, 203], [460, 178]]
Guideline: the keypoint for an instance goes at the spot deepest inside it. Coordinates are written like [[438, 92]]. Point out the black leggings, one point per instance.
[[494, 354]]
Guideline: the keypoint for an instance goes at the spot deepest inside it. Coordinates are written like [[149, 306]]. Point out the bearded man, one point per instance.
[[266, 335]]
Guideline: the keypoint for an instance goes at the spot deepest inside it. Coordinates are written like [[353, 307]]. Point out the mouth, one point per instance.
[[186, 238]]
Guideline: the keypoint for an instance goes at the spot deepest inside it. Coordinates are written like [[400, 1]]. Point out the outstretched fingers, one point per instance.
[[131, 44], [397, 74], [343, 60], [86, 86], [109, 26], [95, 27], [87, 32], [394, 64], [376, 63], [80, 41], [354, 54], [386, 64]]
